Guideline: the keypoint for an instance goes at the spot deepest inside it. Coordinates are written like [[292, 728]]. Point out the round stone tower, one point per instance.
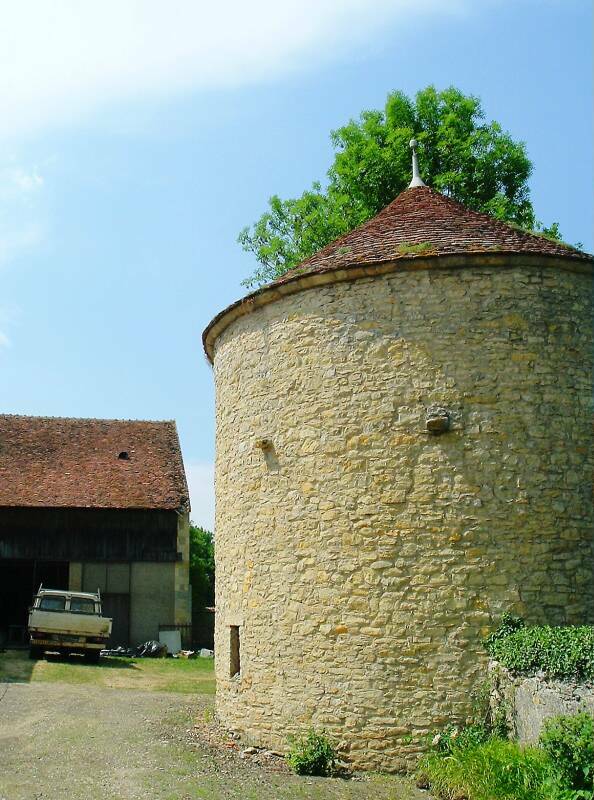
[[404, 452]]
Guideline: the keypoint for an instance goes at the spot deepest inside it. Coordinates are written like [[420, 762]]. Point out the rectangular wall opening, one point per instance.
[[19, 581], [234, 651]]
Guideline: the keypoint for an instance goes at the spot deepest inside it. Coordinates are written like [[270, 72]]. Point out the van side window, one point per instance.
[[82, 605], [49, 603]]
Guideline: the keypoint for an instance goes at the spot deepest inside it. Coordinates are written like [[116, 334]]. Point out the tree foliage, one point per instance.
[[202, 567], [461, 155]]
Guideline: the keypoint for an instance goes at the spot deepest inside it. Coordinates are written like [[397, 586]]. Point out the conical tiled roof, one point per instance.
[[423, 222], [420, 223]]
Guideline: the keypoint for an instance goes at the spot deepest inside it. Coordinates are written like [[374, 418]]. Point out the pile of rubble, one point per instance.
[[154, 649]]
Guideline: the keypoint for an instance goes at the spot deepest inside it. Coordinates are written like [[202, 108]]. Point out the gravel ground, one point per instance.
[[85, 742]]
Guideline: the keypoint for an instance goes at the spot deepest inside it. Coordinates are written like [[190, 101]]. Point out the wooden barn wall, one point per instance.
[[68, 534]]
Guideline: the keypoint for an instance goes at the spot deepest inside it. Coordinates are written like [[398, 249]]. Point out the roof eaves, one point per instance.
[[310, 279]]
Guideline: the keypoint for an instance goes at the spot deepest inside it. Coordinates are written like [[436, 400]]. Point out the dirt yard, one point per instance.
[[133, 729]]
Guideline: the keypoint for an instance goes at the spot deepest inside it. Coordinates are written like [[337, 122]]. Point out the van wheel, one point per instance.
[[35, 652], [92, 656]]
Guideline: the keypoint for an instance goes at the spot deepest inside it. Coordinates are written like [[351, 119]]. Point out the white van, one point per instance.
[[67, 622]]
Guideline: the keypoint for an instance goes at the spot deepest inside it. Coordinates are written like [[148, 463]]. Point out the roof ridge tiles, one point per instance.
[[87, 419]]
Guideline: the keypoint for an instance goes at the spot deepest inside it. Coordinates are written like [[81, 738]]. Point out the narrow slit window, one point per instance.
[[234, 651]]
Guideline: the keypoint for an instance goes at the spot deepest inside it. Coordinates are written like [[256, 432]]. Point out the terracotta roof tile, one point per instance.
[[434, 223], [55, 461]]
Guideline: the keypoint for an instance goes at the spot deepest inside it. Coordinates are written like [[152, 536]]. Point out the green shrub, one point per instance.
[[493, 770], [557, 793], [563, 652], [312, 754], [569, 743], [509, 624]]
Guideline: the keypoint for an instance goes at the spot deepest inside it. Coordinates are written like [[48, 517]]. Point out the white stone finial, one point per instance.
[[416, 178]]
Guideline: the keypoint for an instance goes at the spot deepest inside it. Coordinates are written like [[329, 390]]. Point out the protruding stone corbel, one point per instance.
[[438, 420]]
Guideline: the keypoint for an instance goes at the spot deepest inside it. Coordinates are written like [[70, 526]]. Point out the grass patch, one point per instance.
[[472, 765], [494, 770], [416, 249], [15, 667], [185, 676]]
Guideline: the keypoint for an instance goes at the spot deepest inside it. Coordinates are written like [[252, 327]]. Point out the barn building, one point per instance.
[[88, 504], [404, 452]]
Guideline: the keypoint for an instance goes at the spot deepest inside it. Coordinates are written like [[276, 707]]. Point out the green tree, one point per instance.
[[202, 567], [460, 155]]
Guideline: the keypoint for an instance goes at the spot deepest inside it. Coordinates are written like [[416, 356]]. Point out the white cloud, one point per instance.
[[64, 58], [200, 477], [4, 340], [21, 226], [25, 182], [18, 183]]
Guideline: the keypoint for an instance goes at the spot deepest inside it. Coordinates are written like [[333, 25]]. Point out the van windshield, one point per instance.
[[82, 605], [52, 603]]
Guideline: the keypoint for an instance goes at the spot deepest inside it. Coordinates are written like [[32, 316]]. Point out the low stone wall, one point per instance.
[[528, 702]]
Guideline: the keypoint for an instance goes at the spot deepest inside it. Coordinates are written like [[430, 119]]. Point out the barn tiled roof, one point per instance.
[[437, 225], [90, 463]]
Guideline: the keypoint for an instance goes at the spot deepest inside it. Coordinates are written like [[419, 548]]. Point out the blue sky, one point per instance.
[[138, 138]]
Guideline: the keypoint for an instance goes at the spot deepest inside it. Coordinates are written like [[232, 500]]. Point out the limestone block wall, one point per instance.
[[361, 558], [183, 594], [152, 598], [528, 701]]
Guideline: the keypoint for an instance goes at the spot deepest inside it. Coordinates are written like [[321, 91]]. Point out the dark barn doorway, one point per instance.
[[117, 606], [19, 580]]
